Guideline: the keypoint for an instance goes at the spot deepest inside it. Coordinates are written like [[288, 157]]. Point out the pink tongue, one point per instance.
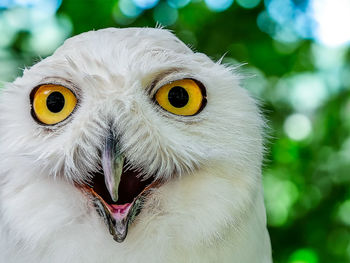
[[119, 212]]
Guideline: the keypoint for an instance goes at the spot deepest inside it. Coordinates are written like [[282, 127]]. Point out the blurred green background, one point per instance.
[[296, 59]]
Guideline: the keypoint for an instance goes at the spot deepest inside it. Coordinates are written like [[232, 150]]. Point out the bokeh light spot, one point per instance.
[[266, 24], [248, 3], [292, 20], [218, 5], [6, 3], [344, 212], [146, 4], [129, 9], [120, 18], [303, 256], [280, 195], [280, 10], [49, 36], [333, 20], [165, 14], [307, 91], [48, 7], [178, 3], [297, 127]]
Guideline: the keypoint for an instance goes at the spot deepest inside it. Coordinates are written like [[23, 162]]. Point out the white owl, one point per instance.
[[127, 146]]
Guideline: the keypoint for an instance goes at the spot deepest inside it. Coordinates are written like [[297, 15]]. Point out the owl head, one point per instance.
[[122, 114]]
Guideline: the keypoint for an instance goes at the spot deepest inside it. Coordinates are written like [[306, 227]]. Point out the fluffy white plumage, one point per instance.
[[210, 209]]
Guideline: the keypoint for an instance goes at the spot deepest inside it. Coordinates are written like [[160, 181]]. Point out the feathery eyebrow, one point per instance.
[[159, 77], [57, 80]]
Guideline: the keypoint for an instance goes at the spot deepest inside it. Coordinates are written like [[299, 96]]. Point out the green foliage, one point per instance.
[[304, 89]]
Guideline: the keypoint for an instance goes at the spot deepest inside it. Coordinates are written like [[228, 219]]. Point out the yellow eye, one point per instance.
[[53, 103], [182, 97]]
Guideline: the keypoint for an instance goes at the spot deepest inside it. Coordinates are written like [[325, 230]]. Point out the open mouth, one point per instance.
[[117, 191], [130, 186]]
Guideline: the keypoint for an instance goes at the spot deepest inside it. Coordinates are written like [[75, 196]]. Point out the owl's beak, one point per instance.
[[116, 216], [118, 192], [112, 164]]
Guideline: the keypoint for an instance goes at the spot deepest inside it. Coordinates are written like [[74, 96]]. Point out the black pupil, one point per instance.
[[178, 97], [55, 102]]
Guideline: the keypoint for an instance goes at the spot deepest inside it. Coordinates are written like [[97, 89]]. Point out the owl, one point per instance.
[[127, 146]]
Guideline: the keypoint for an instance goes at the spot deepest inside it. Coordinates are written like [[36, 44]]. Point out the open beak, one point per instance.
[[118, 192]]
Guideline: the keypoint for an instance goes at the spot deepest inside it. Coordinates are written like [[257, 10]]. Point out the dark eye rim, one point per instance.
[[32, 112], [204, 97]]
